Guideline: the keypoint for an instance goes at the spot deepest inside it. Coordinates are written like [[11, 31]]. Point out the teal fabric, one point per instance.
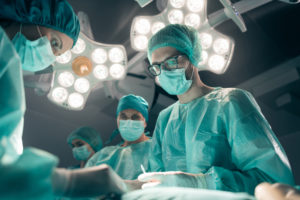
[[223, 135], [34, 55], [174, 82], [125, 161], [55, 14], [135, 102], [12, 101], [87, 134], [131, 130], [183, 38], [29, 177], [81, 153], [23, 175], [179, 193]]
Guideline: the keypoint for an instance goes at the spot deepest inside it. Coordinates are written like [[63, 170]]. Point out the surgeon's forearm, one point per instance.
[[219, 178], [87, 182]]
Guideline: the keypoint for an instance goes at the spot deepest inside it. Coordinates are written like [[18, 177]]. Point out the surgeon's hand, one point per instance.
[[172, 178], [277, 191]]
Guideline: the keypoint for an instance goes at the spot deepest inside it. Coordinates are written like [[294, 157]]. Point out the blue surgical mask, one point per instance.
[[131, 130], [35, 55], [81, 153], [174, 81]]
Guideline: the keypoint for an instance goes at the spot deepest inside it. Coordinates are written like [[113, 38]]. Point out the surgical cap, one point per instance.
[[183, 38], [87, 134], [133, 102], [54, 14]]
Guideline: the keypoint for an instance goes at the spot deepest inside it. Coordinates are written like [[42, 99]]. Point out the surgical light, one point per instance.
[[175, 16], [140, 42], [99, 56], [195, 5], [192, 20], [100, 72], [117, 71], [116, 55], [59, 94], [66, 79], [79, 47], [221, 46], [216, 63], [206, 40], [82, 85], [79, 70], [64, 58], [217, 48], [157, 26], [76, 100], [177, 3], [142, 26]]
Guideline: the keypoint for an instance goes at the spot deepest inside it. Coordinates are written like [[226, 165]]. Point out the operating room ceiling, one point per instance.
[[270, 44]]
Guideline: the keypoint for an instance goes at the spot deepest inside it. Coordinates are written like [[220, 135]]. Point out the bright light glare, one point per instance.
[[216, 63], [177, 3], [157, 26], [99, 56], [140, 42], [204, 56], [175, 16], [206, 40], [221, 46], [116, 55], [192, 19], [100, 72], [195, 5], [66, 79], [117, 71], [79, 47], [59, 94], [64, 58], [82, 85], [75, 100], [142, 26]]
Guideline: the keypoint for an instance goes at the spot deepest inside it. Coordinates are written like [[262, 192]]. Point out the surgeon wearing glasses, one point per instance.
[[212, 137]]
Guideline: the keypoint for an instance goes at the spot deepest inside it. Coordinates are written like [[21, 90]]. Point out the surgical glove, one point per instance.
[[277, 191], [87, 182], [172, 178]]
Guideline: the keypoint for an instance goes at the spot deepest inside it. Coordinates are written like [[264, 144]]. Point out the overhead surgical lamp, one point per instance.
[[80, 69], [217, 48]]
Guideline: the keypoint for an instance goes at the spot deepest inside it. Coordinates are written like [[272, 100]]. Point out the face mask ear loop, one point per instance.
[[191, 78], [38, 28]]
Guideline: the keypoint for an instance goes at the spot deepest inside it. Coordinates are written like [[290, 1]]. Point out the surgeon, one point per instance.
[[32, 34], [126, 158], [212, 137], [85, 142]]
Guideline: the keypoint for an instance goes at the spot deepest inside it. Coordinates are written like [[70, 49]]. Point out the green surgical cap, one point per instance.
[[87, 134], [183, 38], [133, 102], [55, 14]]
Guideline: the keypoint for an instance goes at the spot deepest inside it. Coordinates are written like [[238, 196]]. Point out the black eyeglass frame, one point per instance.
[[165, 65]]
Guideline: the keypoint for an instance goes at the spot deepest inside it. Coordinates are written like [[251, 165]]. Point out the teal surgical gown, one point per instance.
[[126, 161], [223, 135], [23, 175]]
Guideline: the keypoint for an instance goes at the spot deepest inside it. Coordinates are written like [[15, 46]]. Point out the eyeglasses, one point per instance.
[[169, 64]]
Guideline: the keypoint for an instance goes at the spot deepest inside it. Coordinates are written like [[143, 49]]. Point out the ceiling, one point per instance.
[[262, 55]]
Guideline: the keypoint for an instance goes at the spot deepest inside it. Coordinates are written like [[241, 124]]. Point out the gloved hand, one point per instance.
[[277, 191], [173, 178]]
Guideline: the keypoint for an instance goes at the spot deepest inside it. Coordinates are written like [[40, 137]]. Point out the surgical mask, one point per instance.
[[174, 81], [35, 55], [131, 130], [81, 153]]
